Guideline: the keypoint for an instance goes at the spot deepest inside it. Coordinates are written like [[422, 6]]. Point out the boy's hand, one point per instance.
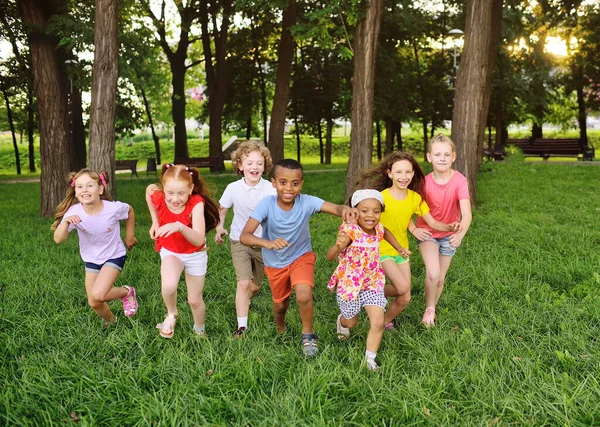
[[219, 235], [350, 215], [455, 226], [342, 240], [130, 241], [278, 243], [75, 219]]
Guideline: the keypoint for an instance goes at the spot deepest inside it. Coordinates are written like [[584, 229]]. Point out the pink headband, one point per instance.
[[102, 179], [73, 182]]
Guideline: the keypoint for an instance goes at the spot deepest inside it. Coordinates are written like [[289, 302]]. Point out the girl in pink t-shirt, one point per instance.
[[96, 218], [447, 194], [182, 213]]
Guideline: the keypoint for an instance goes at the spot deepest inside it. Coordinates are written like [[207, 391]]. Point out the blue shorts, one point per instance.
[[444, 245], [117, 263]]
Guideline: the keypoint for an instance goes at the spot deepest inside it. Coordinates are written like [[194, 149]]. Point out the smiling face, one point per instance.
[[369, 213], [87, 190], [441, 156], [177, 193], [401, 174], [288, 183], [253, 166]]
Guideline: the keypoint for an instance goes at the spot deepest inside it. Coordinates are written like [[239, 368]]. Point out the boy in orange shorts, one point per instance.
[[286, 247]]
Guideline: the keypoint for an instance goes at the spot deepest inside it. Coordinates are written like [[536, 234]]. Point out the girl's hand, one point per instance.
[[350, 215], [455, 226], [342, 240], [405, 252], [219, 235], [170, 228], [456, 240], [75, 219], [130, 241], [278, 243], [421, 234], [154, 231]]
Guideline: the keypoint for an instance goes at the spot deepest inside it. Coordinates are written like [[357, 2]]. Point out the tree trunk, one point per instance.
[[77, 148], [321, 146], [398, 127], [581, 116], [261, 79], [473, 85], [499, 124], [389, 136], [328, 140], [363, 85], [378, 133], [297, 130], [282, 83], [178, 104], [537, 131], [12, 131], [105, 73], [30, 127], [425, 141], [151, 122], [52, 103]]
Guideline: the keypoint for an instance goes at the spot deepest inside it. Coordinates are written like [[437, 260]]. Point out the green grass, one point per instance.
[[515, 341]]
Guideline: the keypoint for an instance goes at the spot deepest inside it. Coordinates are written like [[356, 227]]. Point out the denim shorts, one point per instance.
[[444, 245], [117, 263]]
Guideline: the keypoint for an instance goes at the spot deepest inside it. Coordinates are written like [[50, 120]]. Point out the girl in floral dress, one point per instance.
[[359, 276]]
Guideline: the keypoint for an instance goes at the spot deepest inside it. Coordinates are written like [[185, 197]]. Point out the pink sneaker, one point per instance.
[[389, 326], [130, 305], [429, 317]]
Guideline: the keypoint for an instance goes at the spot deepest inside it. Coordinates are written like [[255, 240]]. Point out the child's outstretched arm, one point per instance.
[[153, 213], [249, 239], [341, 243], [130, 240], [465, 222], [348, 214], [220, 231], [391, 239], [62, 231], [440, 226]]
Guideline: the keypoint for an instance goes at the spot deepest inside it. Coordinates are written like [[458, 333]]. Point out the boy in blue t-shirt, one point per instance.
[[287, 252]]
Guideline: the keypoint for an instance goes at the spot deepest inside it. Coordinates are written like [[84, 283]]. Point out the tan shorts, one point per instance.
[[247, 262], [283, 280]]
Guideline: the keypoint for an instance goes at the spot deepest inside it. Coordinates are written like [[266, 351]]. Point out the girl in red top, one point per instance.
[[182, 213]]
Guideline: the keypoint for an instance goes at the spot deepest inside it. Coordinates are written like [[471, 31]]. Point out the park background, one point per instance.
[[515, 342]]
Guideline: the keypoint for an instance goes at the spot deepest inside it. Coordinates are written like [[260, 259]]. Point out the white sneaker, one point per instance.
[[371, 364], [342, 331]]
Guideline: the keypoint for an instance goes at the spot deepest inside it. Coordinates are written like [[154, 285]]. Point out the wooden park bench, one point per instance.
[[566, 147], [122, 165], [200, 162], [497, 153]]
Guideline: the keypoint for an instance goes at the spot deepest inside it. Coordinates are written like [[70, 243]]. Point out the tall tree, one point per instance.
[[51, 100], [474, 84], [282, 82], [363, 87], [105, 73]]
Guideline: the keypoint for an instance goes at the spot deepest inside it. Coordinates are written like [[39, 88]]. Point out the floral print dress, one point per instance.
[[359, 266]]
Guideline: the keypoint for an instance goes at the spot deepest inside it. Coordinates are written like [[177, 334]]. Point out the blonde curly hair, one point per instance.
[[244, 150]]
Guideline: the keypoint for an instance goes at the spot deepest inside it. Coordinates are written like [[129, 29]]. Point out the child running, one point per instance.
[[287, 252], [447, 195], [182, 213], [87, 208], [359, 276], [400, 180], [250, 161]]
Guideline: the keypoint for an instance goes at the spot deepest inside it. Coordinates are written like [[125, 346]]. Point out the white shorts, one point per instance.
[[194, 264]]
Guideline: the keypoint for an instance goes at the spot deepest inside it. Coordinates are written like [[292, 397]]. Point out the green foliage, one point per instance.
[[515, 341]]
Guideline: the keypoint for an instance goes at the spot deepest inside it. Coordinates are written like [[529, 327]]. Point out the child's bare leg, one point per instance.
[[399, 275], [170, 272], [430, 252], [243, 294], [349, 323], [376, 316], [195, 286], [304, 299], [445, 262], [279, 311], [99, 304]]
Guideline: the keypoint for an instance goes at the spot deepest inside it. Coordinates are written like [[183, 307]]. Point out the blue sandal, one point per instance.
[[310, 344]]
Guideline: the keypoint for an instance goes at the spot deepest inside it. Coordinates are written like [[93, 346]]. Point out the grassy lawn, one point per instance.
[[515, 341]]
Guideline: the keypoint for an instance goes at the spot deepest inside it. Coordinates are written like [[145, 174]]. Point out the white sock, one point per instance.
[[370, 355], [243, 322]]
